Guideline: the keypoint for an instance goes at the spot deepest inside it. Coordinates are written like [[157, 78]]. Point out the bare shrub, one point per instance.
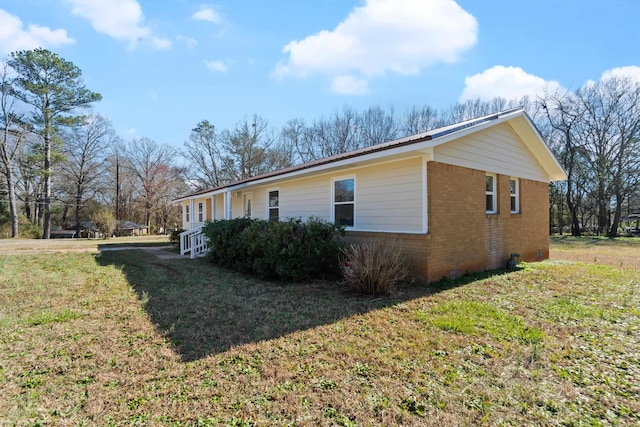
[[373, 268]]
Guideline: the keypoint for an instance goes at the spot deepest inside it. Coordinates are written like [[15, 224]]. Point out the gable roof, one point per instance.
[[421, 142]]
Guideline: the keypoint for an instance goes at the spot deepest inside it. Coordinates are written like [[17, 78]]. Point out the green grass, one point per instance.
[[49, 316], [476, 318], [122, 338]]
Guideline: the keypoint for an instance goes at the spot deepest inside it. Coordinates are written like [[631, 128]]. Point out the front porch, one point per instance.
[[194, 243]]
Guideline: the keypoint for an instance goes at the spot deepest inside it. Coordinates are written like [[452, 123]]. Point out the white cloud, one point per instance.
[[160, 43], [381, 36], [14, 37], [631, 71], [207, 13], [505, 82], [349, 85], [189, 41], [218, 66], [120, 19]]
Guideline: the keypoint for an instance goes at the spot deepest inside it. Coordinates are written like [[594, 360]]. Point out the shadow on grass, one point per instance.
[[205, 310]]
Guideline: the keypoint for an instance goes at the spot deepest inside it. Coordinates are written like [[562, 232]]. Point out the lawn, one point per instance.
[[124, 338], [12, 246]]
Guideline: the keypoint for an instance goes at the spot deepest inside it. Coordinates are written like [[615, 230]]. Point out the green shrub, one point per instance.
[[226, 250], [373, 268], [288, 250], [292, 250], [26, 229], [175, 235]]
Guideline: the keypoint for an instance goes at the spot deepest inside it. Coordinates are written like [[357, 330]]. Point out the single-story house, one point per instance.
[[128, 228], [456, 199], [87, 230], [631, 224]]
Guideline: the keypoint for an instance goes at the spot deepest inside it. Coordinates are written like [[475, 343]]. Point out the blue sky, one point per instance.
[[164, 65]]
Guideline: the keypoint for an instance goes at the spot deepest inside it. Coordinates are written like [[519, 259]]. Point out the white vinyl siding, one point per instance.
[[497, 149], [219, 207], [389, 197]]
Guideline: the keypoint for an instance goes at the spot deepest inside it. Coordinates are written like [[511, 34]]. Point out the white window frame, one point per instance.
[[334, 203], [200, 211], [186, 213], [269, 208], [492, 192], [514, 195]]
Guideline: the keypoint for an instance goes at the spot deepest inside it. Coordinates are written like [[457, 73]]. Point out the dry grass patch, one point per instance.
[[122, 338], [620, 252], [31, 246]]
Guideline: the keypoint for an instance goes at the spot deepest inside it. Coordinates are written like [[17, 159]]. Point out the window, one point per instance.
[[274, 205], [186, 213], [200, 212], [491, 184], [514, 189], [344, 201]]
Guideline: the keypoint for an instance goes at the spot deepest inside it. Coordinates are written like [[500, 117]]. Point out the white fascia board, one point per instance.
[[541, 151], [201, 195], [473, 129]]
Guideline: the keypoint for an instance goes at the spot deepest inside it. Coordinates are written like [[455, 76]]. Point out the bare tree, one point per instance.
[[13, 129], [84, 168], [564, 118], [596, 135], [293, 136], [153, 168], [610, 133], [334, 135], [377, 126], [420, 119]]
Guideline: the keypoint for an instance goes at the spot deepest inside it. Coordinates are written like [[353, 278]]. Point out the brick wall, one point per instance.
[[457, 220], [462, 237], [413, 246]]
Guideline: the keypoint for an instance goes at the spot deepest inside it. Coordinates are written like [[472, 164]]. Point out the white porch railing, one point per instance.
[[194, 242]]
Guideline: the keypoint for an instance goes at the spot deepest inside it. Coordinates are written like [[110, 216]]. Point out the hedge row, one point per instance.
[[287, 250]]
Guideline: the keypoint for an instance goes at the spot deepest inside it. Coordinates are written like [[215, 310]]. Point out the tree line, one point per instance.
[[63, 163]]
